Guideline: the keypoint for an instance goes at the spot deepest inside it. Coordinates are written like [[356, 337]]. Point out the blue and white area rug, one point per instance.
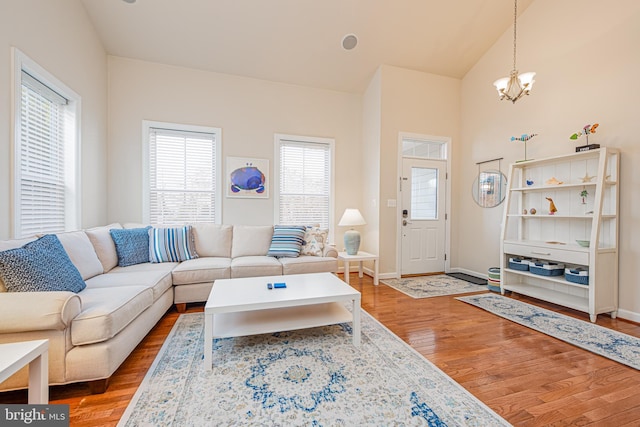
[[313, 377], [433, 286], [606, 342]]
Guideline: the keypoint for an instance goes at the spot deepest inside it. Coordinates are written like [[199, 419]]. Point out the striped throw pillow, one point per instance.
[[171, 244], [287, 241]]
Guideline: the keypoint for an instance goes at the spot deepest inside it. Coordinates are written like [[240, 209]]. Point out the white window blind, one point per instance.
[[41, 193], [305, 182], [182, 176]]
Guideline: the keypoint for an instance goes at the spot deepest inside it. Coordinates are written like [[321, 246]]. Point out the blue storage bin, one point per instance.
[[517, 263], [545, 268], [577, 275]]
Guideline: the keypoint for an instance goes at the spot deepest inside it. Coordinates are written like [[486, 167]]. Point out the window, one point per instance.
[[182, 165], [46, 165], [416, 146], [305, 186]]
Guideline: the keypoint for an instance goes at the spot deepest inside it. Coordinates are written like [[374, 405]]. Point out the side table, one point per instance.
[[359, 257], [15, 356]]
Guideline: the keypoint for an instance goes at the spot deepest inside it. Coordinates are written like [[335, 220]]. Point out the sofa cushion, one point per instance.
[[314, 241], [250, 266], [132, 245], [147, 266], [159, 281], [213, 239], [12, 244], [171, 244], [251, 240], [104, 246], [286, 241], [41, 265], [202, 270], [309, 264], [107, 311], [82, 253]]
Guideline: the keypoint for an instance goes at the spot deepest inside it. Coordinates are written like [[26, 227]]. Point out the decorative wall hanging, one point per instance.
[[247, 177], [489, 187]]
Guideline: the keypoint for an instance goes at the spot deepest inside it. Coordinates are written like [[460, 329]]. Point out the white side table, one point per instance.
[[359, 257], [15, 356]]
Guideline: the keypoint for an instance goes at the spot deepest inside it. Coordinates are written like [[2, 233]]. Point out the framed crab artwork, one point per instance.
[[247, 177]]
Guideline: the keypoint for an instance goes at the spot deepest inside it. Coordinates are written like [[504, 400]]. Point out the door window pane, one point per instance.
[[424, 193]]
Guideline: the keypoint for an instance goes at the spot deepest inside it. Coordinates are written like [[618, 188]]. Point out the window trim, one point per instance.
[[73, 212], [146, 190], [278, 138]]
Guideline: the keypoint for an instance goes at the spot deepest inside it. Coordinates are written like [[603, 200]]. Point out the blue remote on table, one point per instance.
[[279, 285]]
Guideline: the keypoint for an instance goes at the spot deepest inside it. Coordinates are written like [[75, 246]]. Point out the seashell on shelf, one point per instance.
[[553, 181]]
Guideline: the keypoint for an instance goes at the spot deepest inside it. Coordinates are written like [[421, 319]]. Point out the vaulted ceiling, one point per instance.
[[300, 41]]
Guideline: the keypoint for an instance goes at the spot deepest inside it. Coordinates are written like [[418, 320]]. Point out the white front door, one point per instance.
[[423, 216]]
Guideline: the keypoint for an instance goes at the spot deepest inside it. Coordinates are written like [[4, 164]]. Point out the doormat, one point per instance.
[[432, 286], [469, 278]]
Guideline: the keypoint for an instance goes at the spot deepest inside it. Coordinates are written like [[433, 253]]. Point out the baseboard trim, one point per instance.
[[629, 315]]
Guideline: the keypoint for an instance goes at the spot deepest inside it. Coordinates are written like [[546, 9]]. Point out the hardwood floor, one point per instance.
[[528, 378]]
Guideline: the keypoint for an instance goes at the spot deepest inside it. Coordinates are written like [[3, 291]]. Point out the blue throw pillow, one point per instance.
[[287, 241], [41, 265], [171, 244], [132, 245]]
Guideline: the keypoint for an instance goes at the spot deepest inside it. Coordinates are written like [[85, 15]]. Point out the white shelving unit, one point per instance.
[[552, 237]]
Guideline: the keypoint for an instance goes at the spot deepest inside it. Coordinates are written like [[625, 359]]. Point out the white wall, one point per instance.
[[371, 127], [412, 102], [585, 53], [59, 37], [249, 111]]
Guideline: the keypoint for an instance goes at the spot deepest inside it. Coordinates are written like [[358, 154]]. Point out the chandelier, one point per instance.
[[516, 85]]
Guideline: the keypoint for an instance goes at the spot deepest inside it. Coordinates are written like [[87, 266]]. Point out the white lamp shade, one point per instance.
[[501, 84], [527, 78], [351, 217]]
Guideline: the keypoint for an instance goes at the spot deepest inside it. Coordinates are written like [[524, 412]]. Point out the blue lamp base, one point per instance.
[[352, 242]]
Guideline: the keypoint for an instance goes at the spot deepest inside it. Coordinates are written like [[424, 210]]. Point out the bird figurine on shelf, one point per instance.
[[552, 206], [524, 138]]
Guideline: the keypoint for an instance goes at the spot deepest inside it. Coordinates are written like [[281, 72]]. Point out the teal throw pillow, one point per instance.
[[41, 265], [132, 245], [287, 241], [171, 244]]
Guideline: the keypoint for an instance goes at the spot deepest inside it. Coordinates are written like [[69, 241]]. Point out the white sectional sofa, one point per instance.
[[93, 331]]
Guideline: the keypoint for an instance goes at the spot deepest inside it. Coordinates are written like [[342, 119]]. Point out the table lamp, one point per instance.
[[351, 218]]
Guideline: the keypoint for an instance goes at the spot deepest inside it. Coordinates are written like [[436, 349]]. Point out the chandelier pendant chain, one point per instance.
[[515, 20]]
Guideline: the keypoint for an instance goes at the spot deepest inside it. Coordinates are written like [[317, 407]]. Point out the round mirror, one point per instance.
[[489, 188]]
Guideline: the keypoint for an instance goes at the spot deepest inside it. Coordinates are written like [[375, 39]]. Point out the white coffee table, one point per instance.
[[15, 356], [245, 306]]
